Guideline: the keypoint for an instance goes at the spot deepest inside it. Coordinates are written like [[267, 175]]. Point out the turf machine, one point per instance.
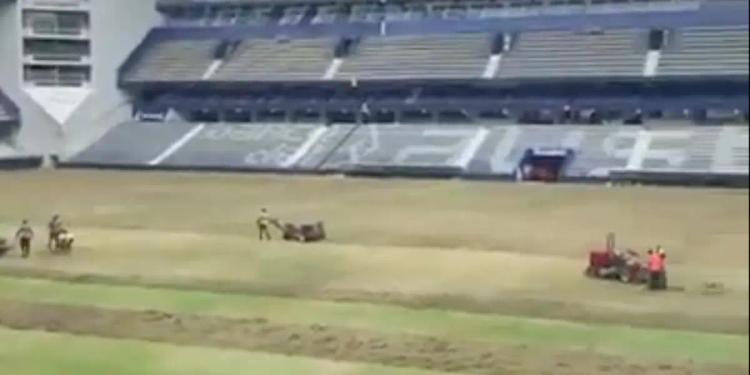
[[611, 263], [62, 243], [302, 233]]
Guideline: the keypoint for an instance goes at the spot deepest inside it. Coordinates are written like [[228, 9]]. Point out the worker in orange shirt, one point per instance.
[[656, 269], [663, 254]]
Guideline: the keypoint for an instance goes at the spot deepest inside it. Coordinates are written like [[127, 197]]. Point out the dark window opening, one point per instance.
[[656, 39]]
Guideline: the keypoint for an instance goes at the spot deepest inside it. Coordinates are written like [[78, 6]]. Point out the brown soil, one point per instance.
[[328, 342]]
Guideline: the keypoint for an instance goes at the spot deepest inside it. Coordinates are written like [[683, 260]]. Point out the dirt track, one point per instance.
[[327, 342]]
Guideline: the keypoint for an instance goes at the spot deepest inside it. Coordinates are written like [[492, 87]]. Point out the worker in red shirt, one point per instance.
[[657, 275]]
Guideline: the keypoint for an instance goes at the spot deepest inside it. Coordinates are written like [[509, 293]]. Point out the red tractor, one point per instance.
[[614, 264]]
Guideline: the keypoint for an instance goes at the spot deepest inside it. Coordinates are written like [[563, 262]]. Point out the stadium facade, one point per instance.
[[592, 89], [59, 63]]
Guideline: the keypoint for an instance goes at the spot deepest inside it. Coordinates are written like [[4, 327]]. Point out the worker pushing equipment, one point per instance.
[[60, 239], [313, 232], [264, 221], [55, 226]]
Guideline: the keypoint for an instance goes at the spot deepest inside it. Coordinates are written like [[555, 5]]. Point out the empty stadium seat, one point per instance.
[[133, 143], [476, 149], [707, 51], [278, 60], [253, 145], [418, 57], [173, 60], [561, 54]]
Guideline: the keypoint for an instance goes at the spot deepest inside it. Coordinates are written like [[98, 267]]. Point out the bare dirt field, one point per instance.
[[467, 246]]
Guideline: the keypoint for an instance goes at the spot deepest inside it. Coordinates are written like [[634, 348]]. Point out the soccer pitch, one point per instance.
[[442, 276]]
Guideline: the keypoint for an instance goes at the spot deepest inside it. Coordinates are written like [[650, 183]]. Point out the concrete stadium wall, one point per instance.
[[38, 132], [116, 27]]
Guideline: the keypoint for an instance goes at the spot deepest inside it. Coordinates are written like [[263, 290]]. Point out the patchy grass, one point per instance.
[[482, 247], [38, 353], [485, 282], [616, 340]]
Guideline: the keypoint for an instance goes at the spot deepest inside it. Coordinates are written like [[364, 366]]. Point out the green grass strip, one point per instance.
[[619, 340], [39, 353]]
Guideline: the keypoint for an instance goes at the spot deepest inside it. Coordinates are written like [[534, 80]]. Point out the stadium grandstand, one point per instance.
[[374, 187], [470, 88]]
